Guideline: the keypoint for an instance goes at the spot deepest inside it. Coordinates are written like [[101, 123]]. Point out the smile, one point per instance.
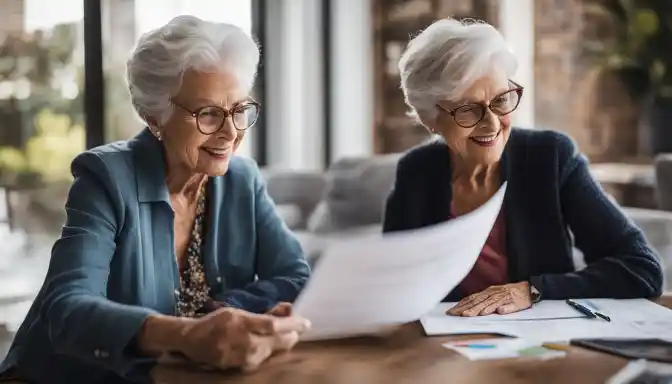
[[486, 141], [217, 152]]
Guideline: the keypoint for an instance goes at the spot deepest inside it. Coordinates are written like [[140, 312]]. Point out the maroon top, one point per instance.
[[491, 267]]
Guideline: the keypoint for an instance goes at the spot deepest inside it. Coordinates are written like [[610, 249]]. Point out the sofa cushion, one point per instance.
[[300, 189], [355, 193]]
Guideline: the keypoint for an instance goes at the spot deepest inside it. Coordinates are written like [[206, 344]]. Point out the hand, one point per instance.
[[283, 309], [501, 299], [232, 338]]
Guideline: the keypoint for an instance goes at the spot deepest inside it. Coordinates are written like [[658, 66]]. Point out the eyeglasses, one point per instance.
[[468, 115], [211, 118]]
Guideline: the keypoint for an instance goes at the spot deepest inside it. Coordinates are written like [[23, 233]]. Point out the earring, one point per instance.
[[158, 135]]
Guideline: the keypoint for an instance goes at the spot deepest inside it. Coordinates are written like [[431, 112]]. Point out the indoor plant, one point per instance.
[[634, 40]]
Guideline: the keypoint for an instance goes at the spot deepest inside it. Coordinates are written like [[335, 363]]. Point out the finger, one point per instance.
[[257, 354], [480, 298], [508, 308], [492, 308], [477, 308], [269, 325], [463, 303], [282, 310], [285, 341]]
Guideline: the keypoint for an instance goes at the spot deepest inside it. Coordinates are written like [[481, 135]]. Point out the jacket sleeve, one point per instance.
[[281, 268], [395, 217], [81, 321], [620, 263]]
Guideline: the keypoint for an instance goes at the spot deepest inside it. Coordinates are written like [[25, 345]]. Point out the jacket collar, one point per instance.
[[148, 160]]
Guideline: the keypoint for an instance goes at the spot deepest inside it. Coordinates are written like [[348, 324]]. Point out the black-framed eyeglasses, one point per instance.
[[211, 118], [468, 115]]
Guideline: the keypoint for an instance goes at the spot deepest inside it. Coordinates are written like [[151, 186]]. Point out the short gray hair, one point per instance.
[[157, 65], [445, 59]]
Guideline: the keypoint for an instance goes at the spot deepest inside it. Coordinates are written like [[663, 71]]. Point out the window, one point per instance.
[[41, 89], [124, 21]]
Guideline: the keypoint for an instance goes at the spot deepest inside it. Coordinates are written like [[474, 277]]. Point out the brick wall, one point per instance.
[[572, 94]]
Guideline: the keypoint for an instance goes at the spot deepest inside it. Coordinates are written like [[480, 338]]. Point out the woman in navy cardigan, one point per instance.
[[456, 78]]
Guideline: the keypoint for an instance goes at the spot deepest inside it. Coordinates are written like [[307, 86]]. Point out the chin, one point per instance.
[[217, 169]]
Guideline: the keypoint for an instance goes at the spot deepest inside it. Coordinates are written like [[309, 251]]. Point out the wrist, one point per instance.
[[161, 334]]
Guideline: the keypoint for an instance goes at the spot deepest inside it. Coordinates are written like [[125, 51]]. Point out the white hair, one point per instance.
[[157, 65], [445, 59]]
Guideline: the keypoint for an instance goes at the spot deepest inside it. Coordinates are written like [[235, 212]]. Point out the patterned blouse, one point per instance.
[[194, 290]]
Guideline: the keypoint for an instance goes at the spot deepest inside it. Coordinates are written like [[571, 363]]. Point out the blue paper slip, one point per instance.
[[476, 346]]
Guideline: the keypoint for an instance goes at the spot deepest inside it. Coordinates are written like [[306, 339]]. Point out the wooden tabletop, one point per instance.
[[406, 356]]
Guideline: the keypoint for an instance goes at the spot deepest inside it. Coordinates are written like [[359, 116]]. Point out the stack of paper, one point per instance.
[[364, 286], [554, 320]]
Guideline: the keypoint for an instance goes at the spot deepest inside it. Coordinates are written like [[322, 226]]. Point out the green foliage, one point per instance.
[[643, 41], [45, 128]]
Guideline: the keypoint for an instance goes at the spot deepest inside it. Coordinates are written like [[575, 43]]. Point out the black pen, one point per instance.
[[581, 308], [597, 312]]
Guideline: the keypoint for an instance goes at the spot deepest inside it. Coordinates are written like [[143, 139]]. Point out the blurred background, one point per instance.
[[333, 118]]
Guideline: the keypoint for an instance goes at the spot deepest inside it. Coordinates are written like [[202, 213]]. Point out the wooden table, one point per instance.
[[407, 356]]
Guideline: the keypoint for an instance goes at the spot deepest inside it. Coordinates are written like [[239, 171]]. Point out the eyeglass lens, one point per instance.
[[211, 119], [470, 114]]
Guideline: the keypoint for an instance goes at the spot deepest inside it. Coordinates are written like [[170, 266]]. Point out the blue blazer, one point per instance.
[[115, 264], [551, 203]]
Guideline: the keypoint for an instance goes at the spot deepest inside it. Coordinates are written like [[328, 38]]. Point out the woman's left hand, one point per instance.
[[501, 299], [281, 310]]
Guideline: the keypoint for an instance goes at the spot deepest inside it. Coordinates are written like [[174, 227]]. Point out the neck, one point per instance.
[[181, 182], [474, 175]]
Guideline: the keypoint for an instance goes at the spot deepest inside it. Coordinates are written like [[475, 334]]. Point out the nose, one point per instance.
[[490, 122], [228, 131]]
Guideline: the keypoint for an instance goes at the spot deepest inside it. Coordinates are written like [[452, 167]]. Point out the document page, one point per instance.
[[363, 286], [553, 320]]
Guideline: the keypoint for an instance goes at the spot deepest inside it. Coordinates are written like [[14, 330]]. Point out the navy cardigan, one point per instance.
[[550, 199]]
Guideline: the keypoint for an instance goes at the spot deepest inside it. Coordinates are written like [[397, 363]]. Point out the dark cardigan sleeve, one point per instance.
[[620, 264]]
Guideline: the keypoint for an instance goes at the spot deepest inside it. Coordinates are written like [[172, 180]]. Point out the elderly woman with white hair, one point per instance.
[[171, 243], [457, 79]]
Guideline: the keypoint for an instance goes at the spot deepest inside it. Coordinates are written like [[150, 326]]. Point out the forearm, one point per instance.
[[95, 330], [263, 295], [161, 334], [617, 277]]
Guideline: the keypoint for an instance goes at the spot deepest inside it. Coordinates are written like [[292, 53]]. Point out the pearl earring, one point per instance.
[[158, 135]]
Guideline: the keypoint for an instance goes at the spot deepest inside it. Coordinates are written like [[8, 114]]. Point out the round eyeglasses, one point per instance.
[[469, 115], [211, 118]]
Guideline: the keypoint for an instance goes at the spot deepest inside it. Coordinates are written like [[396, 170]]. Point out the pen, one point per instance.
[[581, 308], [603, 316], [596, 311]]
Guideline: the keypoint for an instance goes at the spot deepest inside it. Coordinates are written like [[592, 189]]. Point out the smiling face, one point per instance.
[[187, 148], [478, 142]]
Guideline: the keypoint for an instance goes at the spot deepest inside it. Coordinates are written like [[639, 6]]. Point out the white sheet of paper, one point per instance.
[[637, 318], [505, 348], [546, 310], [363, 286]]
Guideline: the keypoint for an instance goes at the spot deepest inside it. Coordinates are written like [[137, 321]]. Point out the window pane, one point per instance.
[[41, 111], [124, 21]]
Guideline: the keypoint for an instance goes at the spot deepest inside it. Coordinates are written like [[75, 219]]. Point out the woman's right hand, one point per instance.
[[232, 338]]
